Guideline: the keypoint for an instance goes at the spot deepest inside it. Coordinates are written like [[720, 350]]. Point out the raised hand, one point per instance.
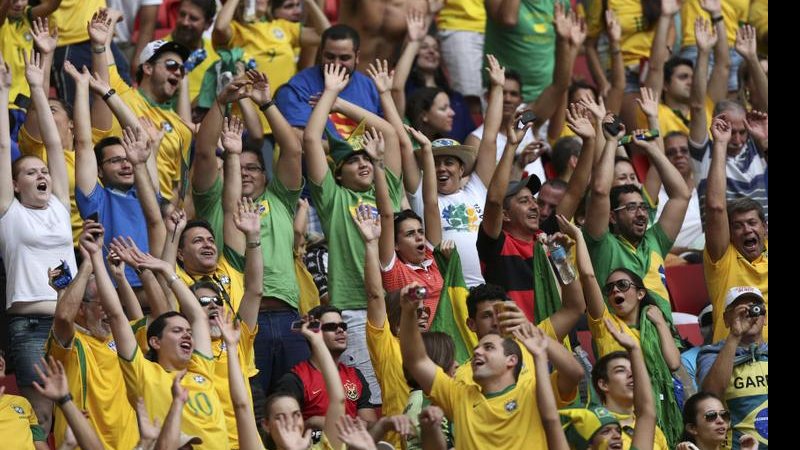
[[259, 91], [447, 247], [704, 34], [374, 145], [135, 144], [670, 7], [497, 73], [44, 41], [247, 218], [235, 90], [408, 301], [34, 72], [597, 108], [577, 31], [231, 135], [115, 265], [153, 132], [746, 42], [290, 433], [514, 134], [627, 341], [336, 78], [176, 222], [578, 122], [648, 146], [229, 327], [54, 381], [381, 75], [415, 23], [721, 129], [648, 102], [741, 323], [757, 124], [100, 26], [512, 318], [613, 28], [91, 238], [529, 154], [81, 77], [126, 250], [150, 262], [713, 7], [418, 136], [609, 119], [748, 442], [180, 393], [655, 315], [353, 433], [368, 225], [5, 74], [567, 227], [533, 338], [98, 85], [561, 21]]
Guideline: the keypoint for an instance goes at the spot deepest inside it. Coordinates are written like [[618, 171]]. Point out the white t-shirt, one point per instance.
[[31, 241], [462, 213], [535, 167], [691, 234], [130, 9]]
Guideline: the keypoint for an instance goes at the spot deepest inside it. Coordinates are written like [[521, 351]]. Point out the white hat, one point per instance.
[[157, 47], [735, 293], [188, 439]]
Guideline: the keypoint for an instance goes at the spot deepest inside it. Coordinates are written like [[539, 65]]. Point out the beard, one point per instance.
[[216, 332], [186, 36]]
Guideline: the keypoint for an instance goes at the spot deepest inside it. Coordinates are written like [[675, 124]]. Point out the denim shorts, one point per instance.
[[27, 336]]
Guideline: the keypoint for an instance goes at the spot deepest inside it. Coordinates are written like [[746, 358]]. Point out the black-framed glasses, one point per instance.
[[423, 311], [711, 416], [333, 326], [252, 168], [115, 160], [621, 285], [206, 300], [633, 206], [673, 152], [173, 66]]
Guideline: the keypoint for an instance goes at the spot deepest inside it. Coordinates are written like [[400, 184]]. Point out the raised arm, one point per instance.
[[336, 78], [248, 222], [121, 110], [45, 41], [718, 82], [6, 185], [69, 303], [85, 160], [579, 120], [374, 146], [595, 305], [717, 229], [670, 352], [138, 149], [659, 51], [597, 211], [648, 103], [128, 299], [370, 229], [746, 46], [333, 383], [718, 377], [222, 33], [415, 23], [169, 437], [617, 91], [101, 30], [415, 358], [158, 300], [487, 149], [148, 193], [430, 195], [231, 138], [392, 142], [706, 38]]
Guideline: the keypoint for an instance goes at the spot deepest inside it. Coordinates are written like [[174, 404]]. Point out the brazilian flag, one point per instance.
[[451, 314]]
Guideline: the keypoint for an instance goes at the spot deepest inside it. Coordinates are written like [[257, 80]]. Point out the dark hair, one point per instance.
[[18, 162], [318, 311], [402, 216], [259, 156], [512, 74], [639, 284], [510, 347], [673, 134], [209, 8], [393, 310], [617, 191], [440, 349], [651, 10], [205, 284], [483, 293], [421, 101], [580, 84], [600, 370], [101, 145], [194, 224], [272, 398], [556, 183], [157, 329], [745, 204], [417, 78], [564, 149], [672, 64], [67, 107], [340, 32], [690, 409]]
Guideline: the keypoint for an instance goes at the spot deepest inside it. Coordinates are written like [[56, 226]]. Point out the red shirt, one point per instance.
[[315, 397], [400, 274]]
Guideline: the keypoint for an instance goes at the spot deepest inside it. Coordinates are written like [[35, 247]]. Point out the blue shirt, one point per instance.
[[121, 214], [689, 362]]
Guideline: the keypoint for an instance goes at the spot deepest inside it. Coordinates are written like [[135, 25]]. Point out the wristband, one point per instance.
[[64, 399], [266, 106], [98, 49], [172, 279], [108, 94], [715, 20], [255, 244]]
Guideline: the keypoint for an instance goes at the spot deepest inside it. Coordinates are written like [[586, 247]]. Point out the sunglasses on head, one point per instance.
[[206, 300], [621, 285], [711, 416], [333, 326]]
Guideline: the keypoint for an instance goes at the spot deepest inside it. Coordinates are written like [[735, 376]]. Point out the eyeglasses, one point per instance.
[[173, 66], [632, 207], [115, 160], [252, 168], [423, 311], [711, 416], [206, 300], [673, 152], [333, 326], [621, 285]]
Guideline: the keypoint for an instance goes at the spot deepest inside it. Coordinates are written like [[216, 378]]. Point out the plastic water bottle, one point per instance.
[[250, 11], [561, 262]]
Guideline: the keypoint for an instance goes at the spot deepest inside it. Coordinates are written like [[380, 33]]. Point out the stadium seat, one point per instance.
[[691, 332], [687, 288], [585, 338]]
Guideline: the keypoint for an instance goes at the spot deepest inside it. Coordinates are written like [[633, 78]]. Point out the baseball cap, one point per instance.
[[705, 317], [737, 292], [581, 424], [532, 182], [155, 48]]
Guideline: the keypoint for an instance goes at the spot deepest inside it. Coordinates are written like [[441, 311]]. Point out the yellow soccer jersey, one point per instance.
[[759, 18], [196, 75], [220, 375], [384, 351], [225, 275], [15, 37], [95, 382], [637, 37], [19, 426], [603, 340], [72, 17], [202, 414], [506, 420], [175, 145], [659, 443], [462, 15], [735, 13], [670, 120], [730, 271]]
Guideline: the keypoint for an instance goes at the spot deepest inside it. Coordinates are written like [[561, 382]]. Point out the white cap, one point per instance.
[[155, 48], [739, 291]]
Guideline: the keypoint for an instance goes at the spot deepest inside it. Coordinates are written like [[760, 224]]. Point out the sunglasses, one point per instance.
[[621, 285], [173, 66], [423, 311], [711, 416], [333, 326], [206, 300]]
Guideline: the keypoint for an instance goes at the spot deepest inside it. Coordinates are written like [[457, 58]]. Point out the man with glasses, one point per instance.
[[736, 369], [305, 381]]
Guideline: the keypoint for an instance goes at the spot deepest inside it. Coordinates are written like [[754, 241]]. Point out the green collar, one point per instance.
[[499, 393], [169, 104]]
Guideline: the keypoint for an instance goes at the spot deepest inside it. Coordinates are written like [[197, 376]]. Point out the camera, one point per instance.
[[613, 128], [419, 292], [64, 276], [756, 309], [525, 118]]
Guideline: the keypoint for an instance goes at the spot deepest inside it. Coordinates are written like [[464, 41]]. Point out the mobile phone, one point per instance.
[[64, 276], [613, 127], [297, 325], [648, 135], [22, 101], [95, 216], [525, 118]]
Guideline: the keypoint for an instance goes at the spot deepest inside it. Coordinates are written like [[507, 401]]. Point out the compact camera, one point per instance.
[[419, 293], [756, 309]]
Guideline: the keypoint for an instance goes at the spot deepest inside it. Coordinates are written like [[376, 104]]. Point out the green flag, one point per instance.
[[451, 314]]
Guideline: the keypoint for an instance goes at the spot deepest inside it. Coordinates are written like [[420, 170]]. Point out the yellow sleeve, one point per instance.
[[30, 146], [603, 340], [445, 392], [594, 18], [562, 402], [247, 355], [116, 82]]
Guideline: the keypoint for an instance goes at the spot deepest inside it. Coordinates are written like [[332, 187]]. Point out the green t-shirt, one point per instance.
[[336, 207], [612, 251], [276, 207], [534, 37]]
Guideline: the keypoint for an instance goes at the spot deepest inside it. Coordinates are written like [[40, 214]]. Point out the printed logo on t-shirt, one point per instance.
[[113, 346], [351, 391], [372, 209], [461, 217], [263, 208], [18, 409], [199, 379], [511, 405], [166, 126], [278, 33]]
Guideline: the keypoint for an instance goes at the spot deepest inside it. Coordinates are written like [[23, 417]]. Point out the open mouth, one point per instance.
[[207, 253], [619, 300], [213, 315], [751, 244], [421, 248], [42, 187], [363, 173], [173, 81], [186, 346]]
